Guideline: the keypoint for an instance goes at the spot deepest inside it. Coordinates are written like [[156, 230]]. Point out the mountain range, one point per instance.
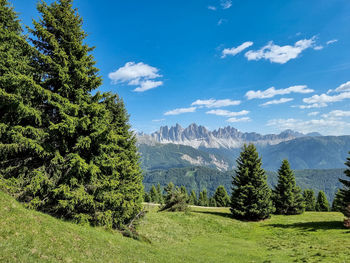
[[228, 137], [195, 145]]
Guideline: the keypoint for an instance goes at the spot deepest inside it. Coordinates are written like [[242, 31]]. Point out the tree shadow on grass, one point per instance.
[[223, 214], [312, 226]]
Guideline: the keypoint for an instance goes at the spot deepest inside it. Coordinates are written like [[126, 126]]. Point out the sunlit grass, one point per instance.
[[202, 235]]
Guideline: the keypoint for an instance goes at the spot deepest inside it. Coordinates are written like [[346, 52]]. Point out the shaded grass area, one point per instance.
[[203, 235]]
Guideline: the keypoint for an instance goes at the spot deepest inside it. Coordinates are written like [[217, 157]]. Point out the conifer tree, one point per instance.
[[153, 193], [21, 119], [212, 202], [251, 196], [169, 189], [160, 194], [309, 199], [192, 198], [221, 197], [184, 191], [322, 204], [203, 198], [337, 204], [78, 154], [345, 191], [287, 196]]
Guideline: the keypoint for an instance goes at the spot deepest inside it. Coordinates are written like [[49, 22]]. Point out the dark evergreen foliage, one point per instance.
[[221, 197], [322, 204], [192, 198], [345, 191], [203, 198], [175, 199], [287, 196], [309, 199], [337, 204], [71, 153], [251, 196]]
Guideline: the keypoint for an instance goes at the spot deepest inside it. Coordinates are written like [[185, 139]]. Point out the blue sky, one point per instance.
[[256, 65]]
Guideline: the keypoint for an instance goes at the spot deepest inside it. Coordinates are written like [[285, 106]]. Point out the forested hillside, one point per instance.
[[200, 178]]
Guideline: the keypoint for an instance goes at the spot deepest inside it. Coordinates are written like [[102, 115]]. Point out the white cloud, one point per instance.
[[324, 99], [226, 4], [337, 114], [324, 126], [243, 119], [345, 87], [332, 41], [235, 50], [280, 101], [271, 92], [180, 111], [212, 103], [314, 105], [314, 113], [210, 7], [228, 113], [137, 74], [280, 54], [158, 120], [147, 85], [318, 47]]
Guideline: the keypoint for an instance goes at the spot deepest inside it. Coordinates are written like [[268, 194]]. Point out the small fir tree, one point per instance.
[[309, 199], [153, 193], [322, 204], [251, 196], [212, 202], [193, 198], [175, 199], [287, 196], [337, 204], [184, 191], [221, 197], [203, 198], [160, 194]]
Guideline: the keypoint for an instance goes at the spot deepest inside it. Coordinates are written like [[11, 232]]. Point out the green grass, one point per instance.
[[203, 235]]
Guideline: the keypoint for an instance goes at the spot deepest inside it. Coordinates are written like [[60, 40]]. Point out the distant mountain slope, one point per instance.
[[199, 178], [164, 156], [322, 152]]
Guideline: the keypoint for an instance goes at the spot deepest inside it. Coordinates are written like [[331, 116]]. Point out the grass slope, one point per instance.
[[203, 235]]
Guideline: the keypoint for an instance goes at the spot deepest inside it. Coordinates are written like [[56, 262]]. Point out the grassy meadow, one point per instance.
[[202, 235]]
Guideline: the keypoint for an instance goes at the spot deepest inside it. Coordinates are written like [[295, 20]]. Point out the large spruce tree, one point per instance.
[[86, 165], [22, 133], [344, 194], [287, 197], [251, 196]]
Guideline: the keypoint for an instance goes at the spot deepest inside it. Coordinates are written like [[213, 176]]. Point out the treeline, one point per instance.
[[219, 199], [252, 198]]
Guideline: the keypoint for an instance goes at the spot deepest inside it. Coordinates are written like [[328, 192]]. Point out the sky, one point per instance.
[[257, 65]]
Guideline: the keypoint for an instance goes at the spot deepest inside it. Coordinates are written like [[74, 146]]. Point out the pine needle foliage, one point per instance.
[[251, 196], [322, 204], [78, 157], [309, 199], [221, 197], [287, 197], [345, 191]]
